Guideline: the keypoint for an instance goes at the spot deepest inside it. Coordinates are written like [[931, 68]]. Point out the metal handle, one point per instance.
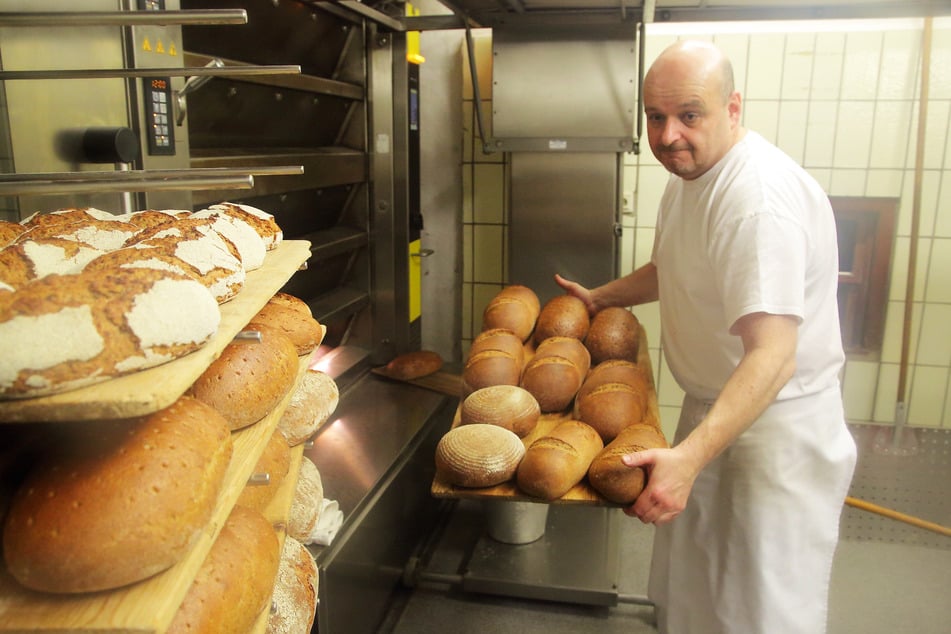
[[141, 184], [124, 18], [423, 253], [115, 73], [192, 84]]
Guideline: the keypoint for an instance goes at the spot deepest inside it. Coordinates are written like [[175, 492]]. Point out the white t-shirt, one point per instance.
[[755, 233]]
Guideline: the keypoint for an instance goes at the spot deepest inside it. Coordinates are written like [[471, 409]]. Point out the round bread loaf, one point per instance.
[[305, 331], [9, 232], [478, 455], [250, 378], [118, 501], [290, 301], [104, 235], [611, 407], [616, 371], [553, 381], [93, 326], [498, 339], [314, 400], [413, 365], [510, 313], [65, 216], [562, 316], [305, 505], [567, 347], [613, 479], [490, 367], [559, 460], [614, 334], [30, 260], [523, 293], [250, 245], [147, 218], [233, 585], [508, 406], [294, 601], [261, 221], [274, 462]]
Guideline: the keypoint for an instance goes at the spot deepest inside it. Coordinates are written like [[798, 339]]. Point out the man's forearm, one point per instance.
[[637, 287]]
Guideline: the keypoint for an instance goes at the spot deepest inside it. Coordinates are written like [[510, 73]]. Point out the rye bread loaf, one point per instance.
[[294, 601], [562, 316], [508, 406], [9, 232], [515, 309], [568, 348], [610, 407], [274, 462], [30, 260], [413, 365], [314, 400], [614, 334], [104, 235], [498, 339], [234, 584], [305, 331], [613, 479], [93, 326], [305, 505], [262, 222], [523, 293], [291, 301], [490, 367], [148, 218], [553, 381], [116, 502], [250, 245], [617, 371], [249, 378], [64, 216], [559, 460], [478, 455]]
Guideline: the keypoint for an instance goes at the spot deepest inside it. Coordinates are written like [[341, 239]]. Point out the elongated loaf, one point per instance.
[[314, 400], [611, 407], [614, 480], [562, 316], [118, 501], [553, 381], [556, 462], [413, 365]]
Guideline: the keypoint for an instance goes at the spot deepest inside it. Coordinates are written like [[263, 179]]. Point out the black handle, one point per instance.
[[110, 145]]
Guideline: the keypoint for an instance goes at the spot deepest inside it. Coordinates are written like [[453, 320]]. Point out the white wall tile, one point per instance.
[[884, 183], [939, 278], [943, 220], [928, 394], [861, 65], [467, 192], [858, 390], [468, 254], [853, 134], [830, 56], [899, 65], [736, 47], [764, 71], [848, 182], [821, 119], [649, 316], [488, 249], [886, 396], [936, 134], [489, 193], [798, 59], [940, 61], [934, 345], [890, 134], [763, 117], [644, 247], [946, 419], [668, 392], [468, 130], [651, 182]]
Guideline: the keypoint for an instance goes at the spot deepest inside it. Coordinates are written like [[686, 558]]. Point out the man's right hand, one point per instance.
[[579, 291]]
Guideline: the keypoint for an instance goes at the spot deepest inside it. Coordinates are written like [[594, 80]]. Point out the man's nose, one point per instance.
[[671, 131]]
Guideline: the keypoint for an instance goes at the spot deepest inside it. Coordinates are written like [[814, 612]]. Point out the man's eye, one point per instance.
[[690, 117]]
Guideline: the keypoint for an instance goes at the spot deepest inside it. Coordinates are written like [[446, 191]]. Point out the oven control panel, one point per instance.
[[160, 130]]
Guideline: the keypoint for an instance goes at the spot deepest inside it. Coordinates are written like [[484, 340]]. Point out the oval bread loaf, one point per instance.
[[523, 293], [611, 407], [305, 331], [90, 327], [413, 365], [614, 334], [507, 406], [556, 462], [613, 479], [567, 347], [314, 400], [306, 502], [294, 601], [30, 260], [249, 378], [234, 583], [498, 339], [490, 367], [562, 316], [510, 313], [553, 381], [118, 501], [617, 371], [261, 221], [478, 455]]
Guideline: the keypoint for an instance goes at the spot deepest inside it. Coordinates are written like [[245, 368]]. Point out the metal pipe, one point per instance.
[[43, 188], [200, 172], [112, 73], [124, 18]]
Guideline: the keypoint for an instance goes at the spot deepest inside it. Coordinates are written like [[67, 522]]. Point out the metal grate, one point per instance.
[[912, 476]]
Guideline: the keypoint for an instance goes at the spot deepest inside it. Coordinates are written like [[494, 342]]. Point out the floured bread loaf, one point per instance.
[[213, 258], [35, 259], [478, 455], [312, 403], [148, 218], [294, 601], [233, 586], [507, 406], [262, 222], [250, 378], [89, 327], [305, 331], [9, 232], [305, 505], [115, 502], [65, 216], [242, 234], [104, 235], [274, 462], [139, 257]]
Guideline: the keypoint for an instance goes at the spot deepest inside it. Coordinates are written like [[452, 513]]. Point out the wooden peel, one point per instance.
[[439, 381], [895, 515]]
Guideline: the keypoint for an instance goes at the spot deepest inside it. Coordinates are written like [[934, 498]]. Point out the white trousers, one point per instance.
[[752, 551]]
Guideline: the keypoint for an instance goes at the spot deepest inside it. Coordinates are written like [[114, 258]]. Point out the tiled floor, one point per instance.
[[888, 578]]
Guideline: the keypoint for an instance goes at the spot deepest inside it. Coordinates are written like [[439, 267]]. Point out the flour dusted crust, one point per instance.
[[148, 218], [263, 222], [104, 235], [478, 455], [115, 502], [312, 403], [305, 505], [240, 232], [65, 216], [294, 601], [234, 584], [9, 232], [30, 260], [144, 257], [89, 327]]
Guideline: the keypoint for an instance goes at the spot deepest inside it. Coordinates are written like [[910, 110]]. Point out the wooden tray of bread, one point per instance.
[[150, 390], [582, 493], [149, 605]]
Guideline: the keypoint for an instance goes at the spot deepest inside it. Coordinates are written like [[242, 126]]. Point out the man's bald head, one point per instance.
[[700, 58]]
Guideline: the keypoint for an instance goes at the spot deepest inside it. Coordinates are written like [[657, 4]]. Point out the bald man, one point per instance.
[[745, 267]]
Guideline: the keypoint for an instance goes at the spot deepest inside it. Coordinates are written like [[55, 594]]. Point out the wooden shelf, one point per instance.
[[581, 493], [153, 389]]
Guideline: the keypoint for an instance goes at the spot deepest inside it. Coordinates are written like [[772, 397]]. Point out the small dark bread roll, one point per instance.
[[614, 480], [553, 381], [559, 460], [614, 334], [562, 316]]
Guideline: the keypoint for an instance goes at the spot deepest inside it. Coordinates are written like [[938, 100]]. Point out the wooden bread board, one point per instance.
[[439, 381], [155, 388], [582, 493], [147, 606]]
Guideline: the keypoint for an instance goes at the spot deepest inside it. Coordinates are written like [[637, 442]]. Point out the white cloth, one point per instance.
[[329, 522], [752, 551]]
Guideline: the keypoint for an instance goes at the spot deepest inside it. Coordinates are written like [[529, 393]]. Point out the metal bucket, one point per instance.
[[515, 522]]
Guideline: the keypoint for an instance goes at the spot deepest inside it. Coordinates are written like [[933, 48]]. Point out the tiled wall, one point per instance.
[[842, 98]]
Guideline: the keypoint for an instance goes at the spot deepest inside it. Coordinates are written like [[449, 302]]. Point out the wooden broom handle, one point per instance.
[[895, 515]]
